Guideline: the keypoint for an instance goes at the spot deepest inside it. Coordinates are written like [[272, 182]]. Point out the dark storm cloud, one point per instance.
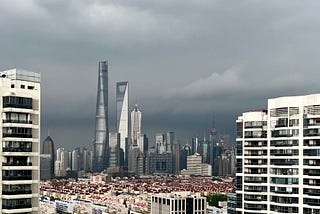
[[184, 59]]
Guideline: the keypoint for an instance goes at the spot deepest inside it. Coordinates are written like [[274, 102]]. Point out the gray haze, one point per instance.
[[184, 60]]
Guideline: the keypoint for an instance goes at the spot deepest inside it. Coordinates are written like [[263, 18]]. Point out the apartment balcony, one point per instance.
[[17, 135], [16, 192], [17, 121], [16, 206], [16, 177], [17, 164], [11, 149]]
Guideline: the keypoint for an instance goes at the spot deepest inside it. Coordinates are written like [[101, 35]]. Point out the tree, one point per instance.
[[214, 199]]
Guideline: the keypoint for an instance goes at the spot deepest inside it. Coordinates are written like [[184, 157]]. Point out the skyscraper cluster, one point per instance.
[[218, 152], [164, 158], [72, 163], [120, 150]]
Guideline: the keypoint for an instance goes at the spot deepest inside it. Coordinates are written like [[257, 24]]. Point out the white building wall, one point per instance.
[[26, 84], [280, 171]]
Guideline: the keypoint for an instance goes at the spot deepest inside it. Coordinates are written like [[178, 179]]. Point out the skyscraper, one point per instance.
[[102, 129], [20, 125], [136, 118], [48, 148], [114, 150], [122, 105], [278, 157]]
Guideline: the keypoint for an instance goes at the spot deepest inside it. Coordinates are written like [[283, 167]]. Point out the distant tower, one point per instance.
[[102, 129], [48, 148], [114, 150], [122, 105], [135, 124]]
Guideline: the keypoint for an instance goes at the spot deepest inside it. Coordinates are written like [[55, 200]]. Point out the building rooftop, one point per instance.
[[20, 74]]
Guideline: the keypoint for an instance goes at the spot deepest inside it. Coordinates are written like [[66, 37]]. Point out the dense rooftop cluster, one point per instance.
[[139, 186]]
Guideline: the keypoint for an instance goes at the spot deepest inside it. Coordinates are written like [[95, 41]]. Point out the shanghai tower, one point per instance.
[[102, 129]]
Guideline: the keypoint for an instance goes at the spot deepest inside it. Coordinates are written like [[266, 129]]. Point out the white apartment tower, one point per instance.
[[278, 157], [20, 155]]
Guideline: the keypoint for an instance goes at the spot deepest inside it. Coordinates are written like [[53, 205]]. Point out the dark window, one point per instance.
[[30, 87], [12, 85], [22, 86], [17, 102]]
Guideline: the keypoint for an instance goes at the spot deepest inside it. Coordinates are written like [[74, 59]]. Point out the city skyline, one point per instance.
[[184, 60]]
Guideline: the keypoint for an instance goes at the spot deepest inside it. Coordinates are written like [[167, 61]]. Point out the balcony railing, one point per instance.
[[16, 192], [17, 121], [10, 149], [16, 206], [22, 163], [15, 105], [16, 177], [19, 135]]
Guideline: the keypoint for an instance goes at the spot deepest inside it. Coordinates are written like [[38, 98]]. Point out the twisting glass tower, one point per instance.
[[102, 129]]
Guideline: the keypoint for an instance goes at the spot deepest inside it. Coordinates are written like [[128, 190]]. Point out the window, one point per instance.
[[12, 85], [30, 87], [22, 86]]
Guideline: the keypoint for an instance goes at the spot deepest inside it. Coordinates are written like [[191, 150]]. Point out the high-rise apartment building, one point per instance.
[[102, 129], [20, 96], [48, 149], [277, 157], [122, 105]]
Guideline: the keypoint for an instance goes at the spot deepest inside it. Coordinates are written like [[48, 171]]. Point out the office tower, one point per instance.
[[196, 167], [178, 202], [134, 152], [45, 167], [277, 157], [20, 95], [194, 145], [169, 141], [216, 156], [204, 150], [142, 142], [194, 161], [176, 156], [122, 105], [48, 148], [159, 163], [102, 128], [136, 118], [160, 143], [114, 150], [185, 152], [137, 155]]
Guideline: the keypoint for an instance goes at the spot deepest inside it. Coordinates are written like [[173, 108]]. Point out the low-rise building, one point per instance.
[[182, 202]]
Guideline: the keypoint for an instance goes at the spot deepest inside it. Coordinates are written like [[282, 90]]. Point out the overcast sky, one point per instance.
[[184, 60]]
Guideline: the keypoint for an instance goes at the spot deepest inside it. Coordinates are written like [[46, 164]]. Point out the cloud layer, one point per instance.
[[185, 60]]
